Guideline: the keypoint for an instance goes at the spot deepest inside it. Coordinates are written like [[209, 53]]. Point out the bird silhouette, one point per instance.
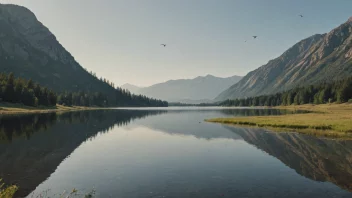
[[255, 37], [163, 45], [301, 15]]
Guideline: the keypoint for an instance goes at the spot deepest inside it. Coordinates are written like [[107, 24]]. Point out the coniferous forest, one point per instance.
[[19, 90], [339, 91], [27, 92], [123, 98]]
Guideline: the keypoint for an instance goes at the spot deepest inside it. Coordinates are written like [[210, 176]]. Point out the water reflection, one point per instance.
[[34, 145], [259, 112], [315, 158], [190, 121], [234, 111], [25, 125], [173, 152]]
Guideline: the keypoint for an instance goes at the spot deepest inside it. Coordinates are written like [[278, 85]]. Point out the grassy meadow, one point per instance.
[[329, 120]]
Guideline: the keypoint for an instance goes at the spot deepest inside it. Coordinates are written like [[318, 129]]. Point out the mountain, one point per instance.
[[197, 90], [319, 58], [31, 51], [131, 88]]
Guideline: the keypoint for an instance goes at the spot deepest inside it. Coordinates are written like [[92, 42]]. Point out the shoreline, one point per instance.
[[325, 120], [12, 109]]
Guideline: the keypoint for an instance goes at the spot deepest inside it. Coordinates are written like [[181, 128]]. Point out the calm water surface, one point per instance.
[[168, 153]]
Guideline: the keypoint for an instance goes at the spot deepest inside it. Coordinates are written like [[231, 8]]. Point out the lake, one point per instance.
[[168, 152]]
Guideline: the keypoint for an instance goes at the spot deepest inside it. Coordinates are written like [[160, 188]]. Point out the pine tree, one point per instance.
[[9, 91]]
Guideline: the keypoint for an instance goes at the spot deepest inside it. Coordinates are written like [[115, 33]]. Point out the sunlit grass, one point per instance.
[[74, 193], [333, 120], [7, 191], [8, 108]]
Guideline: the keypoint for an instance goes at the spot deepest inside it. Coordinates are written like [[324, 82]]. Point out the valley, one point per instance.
[[211, 117]]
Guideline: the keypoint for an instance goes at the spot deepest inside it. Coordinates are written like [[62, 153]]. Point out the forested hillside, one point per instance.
[[30, 93], [339, 91]]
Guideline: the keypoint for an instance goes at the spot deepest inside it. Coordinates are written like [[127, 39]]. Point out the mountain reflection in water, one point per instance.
[[315, 158], [33, 146]]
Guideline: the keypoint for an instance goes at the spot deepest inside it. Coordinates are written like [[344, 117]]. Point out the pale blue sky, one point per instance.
[[120, 39]]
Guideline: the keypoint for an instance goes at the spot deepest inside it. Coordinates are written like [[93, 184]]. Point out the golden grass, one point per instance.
[[7, 108], [333, 120], [7, 192]]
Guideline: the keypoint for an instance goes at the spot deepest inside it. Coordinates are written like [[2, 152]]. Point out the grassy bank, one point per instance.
[[8, 108], [7, 191], [10, 192], [331, 120]]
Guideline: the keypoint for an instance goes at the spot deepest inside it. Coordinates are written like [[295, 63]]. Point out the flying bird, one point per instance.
[[163, 45], [301, 15], [255, 37]]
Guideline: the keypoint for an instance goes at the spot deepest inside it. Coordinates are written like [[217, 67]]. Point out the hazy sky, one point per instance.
[[120, 39]]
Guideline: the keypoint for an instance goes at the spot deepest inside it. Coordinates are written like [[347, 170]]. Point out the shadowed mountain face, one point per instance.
[[30, 50], [319, 58], [52, 139], [202, 89], [317, 159]]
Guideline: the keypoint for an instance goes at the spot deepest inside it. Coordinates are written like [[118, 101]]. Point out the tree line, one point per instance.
[[19, 90], [27, 92], [123, 98], [338, 91]]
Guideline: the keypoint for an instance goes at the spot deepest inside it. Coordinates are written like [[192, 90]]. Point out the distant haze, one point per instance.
[[201, 89], [120, 39]]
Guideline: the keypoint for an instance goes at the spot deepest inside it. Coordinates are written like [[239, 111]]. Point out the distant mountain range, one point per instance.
[[197, 90], [319, 58], [131, 88]]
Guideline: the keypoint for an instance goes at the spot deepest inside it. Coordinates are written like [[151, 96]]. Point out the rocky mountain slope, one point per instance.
[[197, 90], [319, 58], [30, 50]]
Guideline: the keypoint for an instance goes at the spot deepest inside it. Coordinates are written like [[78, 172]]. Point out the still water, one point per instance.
[[167, 153]]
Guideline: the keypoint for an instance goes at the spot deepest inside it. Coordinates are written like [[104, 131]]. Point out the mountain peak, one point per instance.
[[130, 87], [319, 58], [18, 13], [128, 84], [349, 19]]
